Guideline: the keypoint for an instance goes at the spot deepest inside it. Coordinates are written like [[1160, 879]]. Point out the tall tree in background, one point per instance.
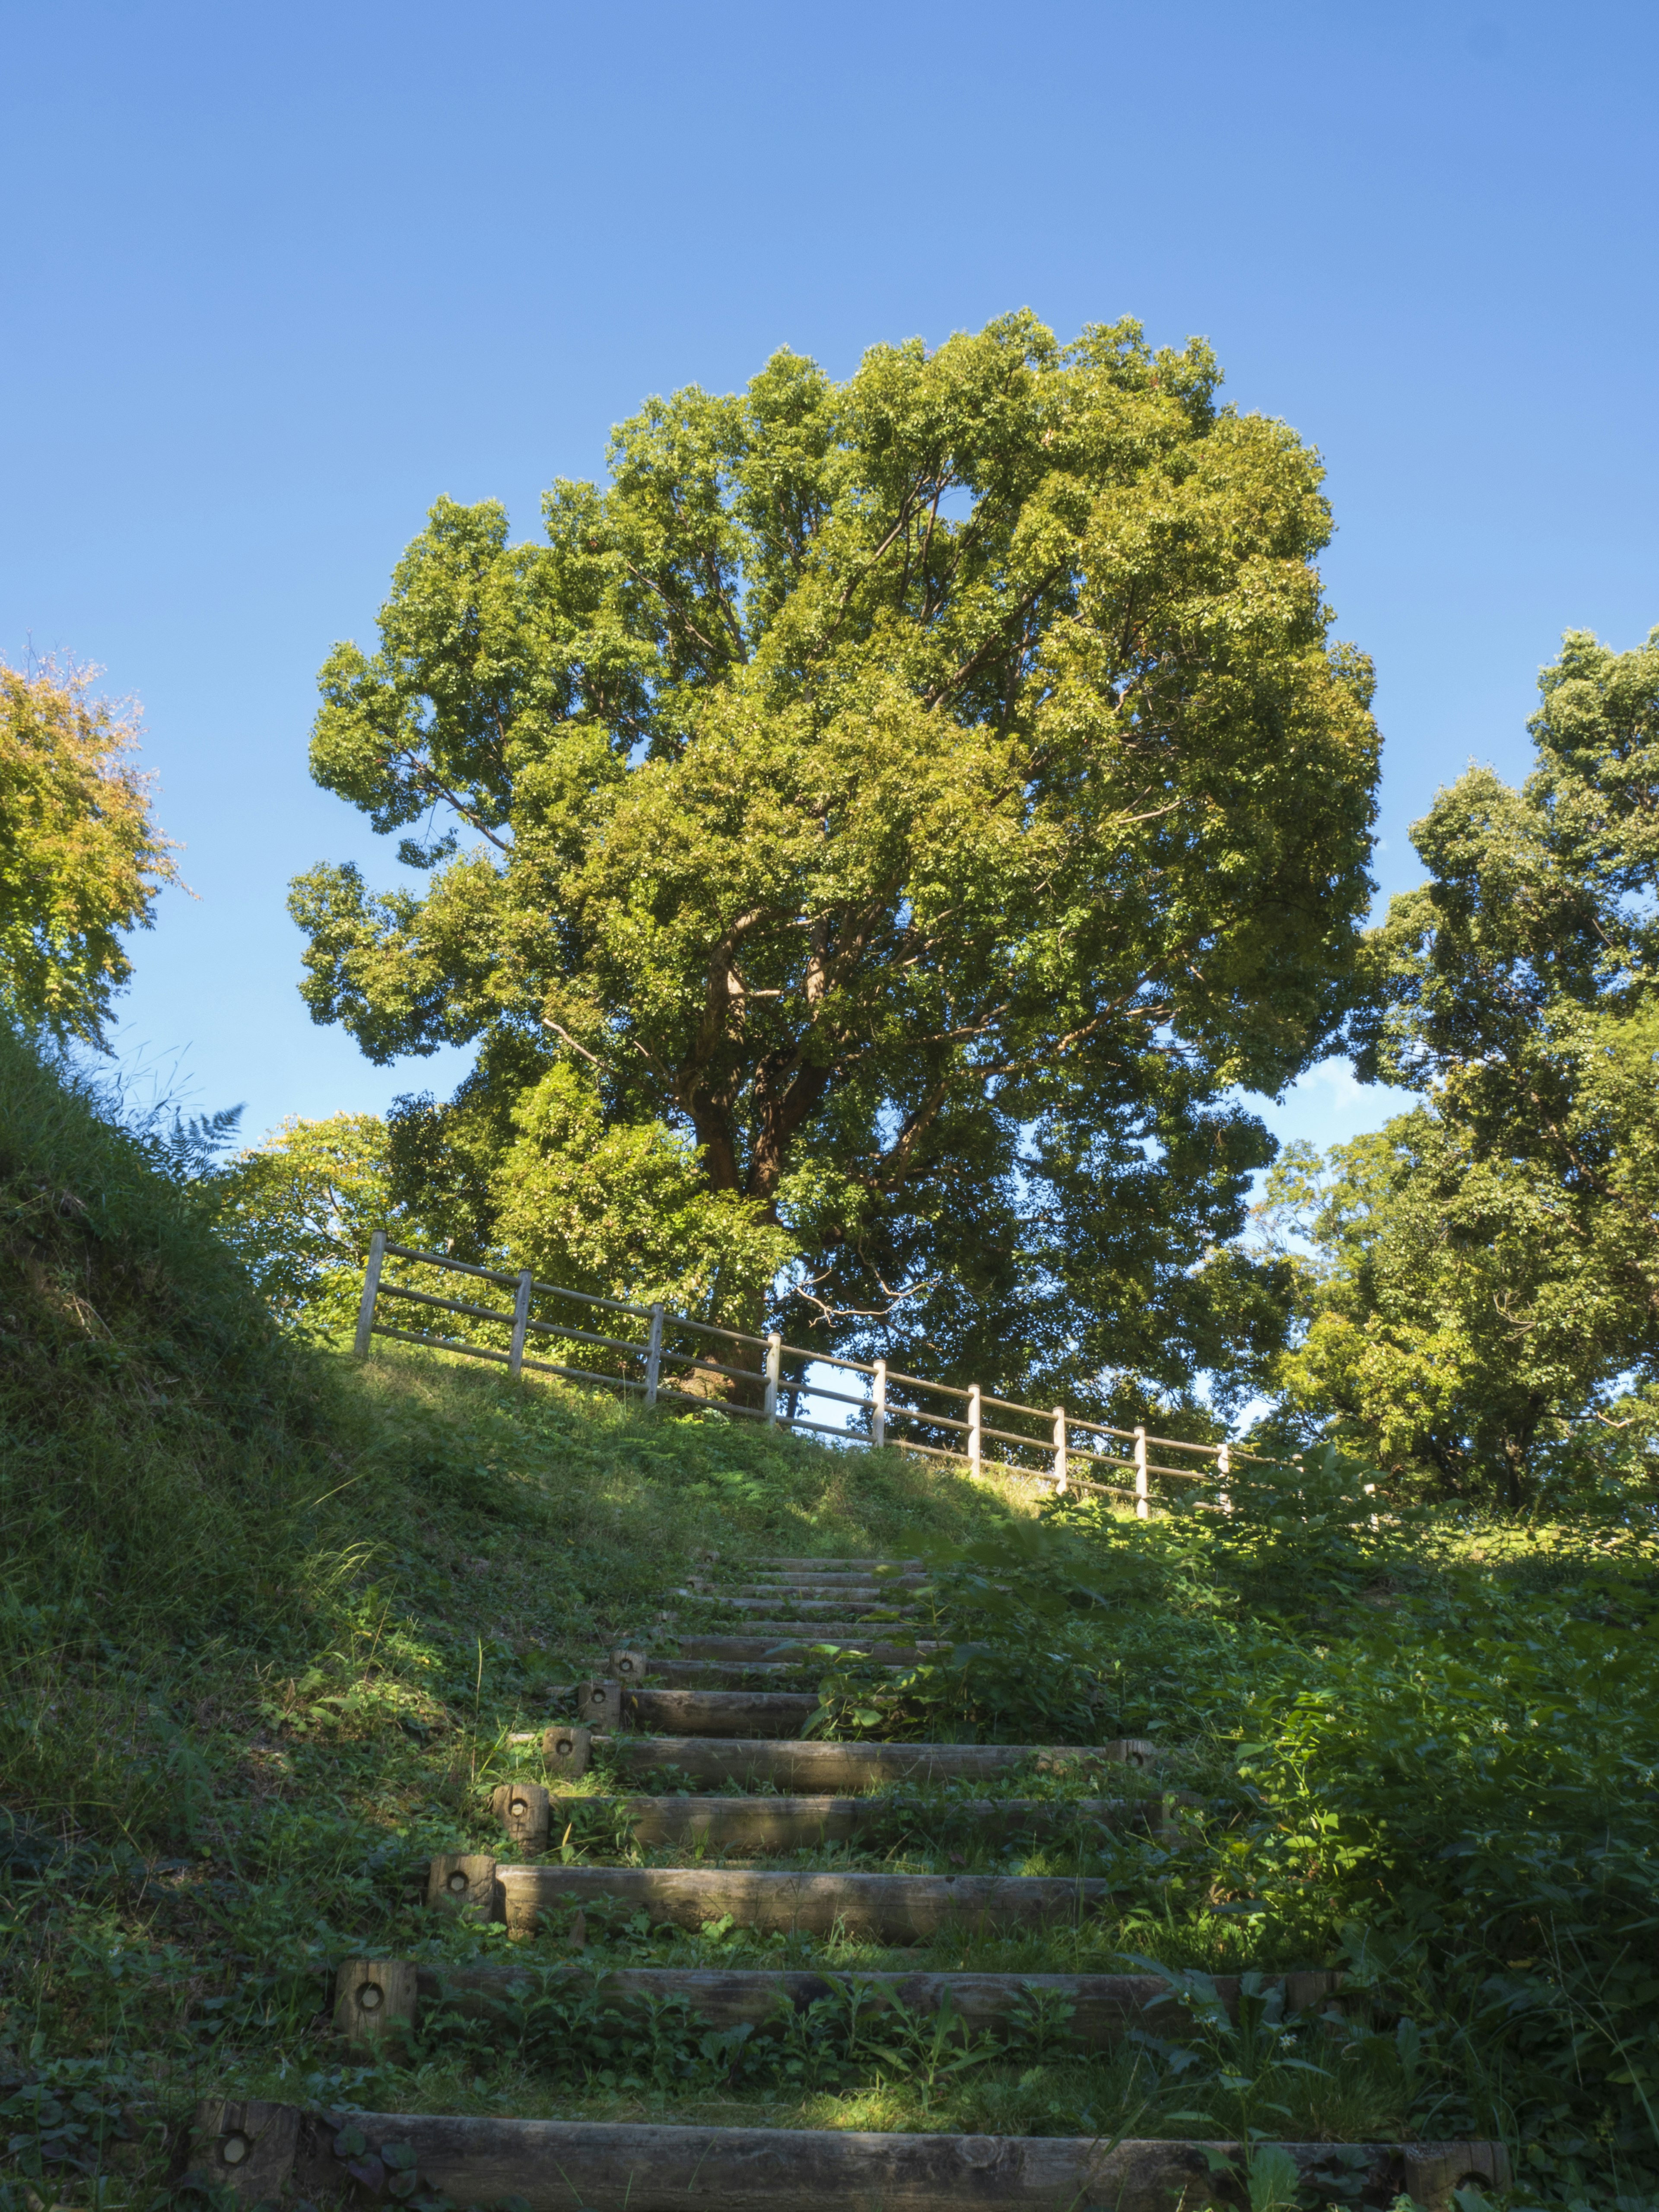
[[1484, 1308], [931, 795], [80, 858]]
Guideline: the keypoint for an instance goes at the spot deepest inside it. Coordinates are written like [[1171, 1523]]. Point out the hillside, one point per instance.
[[271, 1621]]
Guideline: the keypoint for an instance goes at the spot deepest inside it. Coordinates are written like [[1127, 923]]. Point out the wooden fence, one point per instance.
[[941, 1421]]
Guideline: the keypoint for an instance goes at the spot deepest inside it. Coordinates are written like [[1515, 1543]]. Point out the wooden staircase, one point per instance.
[[699, 1719]]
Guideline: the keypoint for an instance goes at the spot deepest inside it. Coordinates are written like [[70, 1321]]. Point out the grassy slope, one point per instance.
[[269, 1621]]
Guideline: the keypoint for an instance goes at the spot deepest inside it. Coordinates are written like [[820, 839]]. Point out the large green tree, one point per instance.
[[1484, 1314], [934, 795]]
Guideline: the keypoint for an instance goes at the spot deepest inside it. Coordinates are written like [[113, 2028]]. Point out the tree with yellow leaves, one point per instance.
[[80, 858]]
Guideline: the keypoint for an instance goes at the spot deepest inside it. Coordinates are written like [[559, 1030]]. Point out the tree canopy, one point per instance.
[[80, 858], [1486, 1312], [931, 796]]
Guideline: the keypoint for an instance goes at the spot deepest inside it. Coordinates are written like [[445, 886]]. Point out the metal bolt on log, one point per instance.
[[598, 1704], [464, 1884], [567, 1751], [246, 2145], [521, 1807], [373, 1997]]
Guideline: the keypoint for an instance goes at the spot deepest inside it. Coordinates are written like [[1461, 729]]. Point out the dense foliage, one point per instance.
[[80, 858], [1483, 1301], [299, 1211], [1424, 1747], [915, 805]]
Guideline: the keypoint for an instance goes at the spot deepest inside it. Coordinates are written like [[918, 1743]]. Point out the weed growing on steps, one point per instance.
[[1427, 1749]]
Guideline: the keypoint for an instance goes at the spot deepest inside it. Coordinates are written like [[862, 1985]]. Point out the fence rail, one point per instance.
[[1065, 1453]]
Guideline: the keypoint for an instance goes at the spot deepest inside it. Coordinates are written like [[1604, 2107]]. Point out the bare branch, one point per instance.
[[429, 776], [603, 1067], [678, 613]]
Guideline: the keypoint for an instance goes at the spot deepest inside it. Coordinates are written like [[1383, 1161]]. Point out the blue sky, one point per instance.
[[280, 277]]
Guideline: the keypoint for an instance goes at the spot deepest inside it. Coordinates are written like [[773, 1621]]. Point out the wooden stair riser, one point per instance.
[[814, 1608], [803, 1649], [857, 1633], [838, 1770], [554, 2165], [745, 1713], [1102, 2006], [728, 1674], [536, 1818], [634, 1667], [840, 1566], [866, 1578], [850, 1593], [893, 1909]]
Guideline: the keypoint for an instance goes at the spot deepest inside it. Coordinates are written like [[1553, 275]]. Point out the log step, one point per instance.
[[843, 1769], [840, 1566], [535, 1817], [825, 1586], [809, 1608], [692, 1675], [666, 1711], [1102, 2006], [826, 1632], [260, 2151], [791, 1645], [872, 1908], [719, 1712], [721, 1673]]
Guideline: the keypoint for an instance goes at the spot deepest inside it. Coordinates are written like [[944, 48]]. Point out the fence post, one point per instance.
[[1060, 1448], [879, 1405], [521, 1322], [973, 1429], [774, 1372], [654, 1357], [1143, 1508], [1224, 1466], [371, 1289]]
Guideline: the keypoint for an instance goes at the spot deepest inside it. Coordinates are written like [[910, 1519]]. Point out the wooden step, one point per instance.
[[828, 1585], [261, 2151], [809, 1608], [719, 1712], [723, 1673], [720, 1674], [838, 1566], [749, 1714], [855, 1602], [844, 1769], [536, 1817], [695, 1674], [871, 1908], [1102, 2006], [810, 1628], [801, 1640]]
